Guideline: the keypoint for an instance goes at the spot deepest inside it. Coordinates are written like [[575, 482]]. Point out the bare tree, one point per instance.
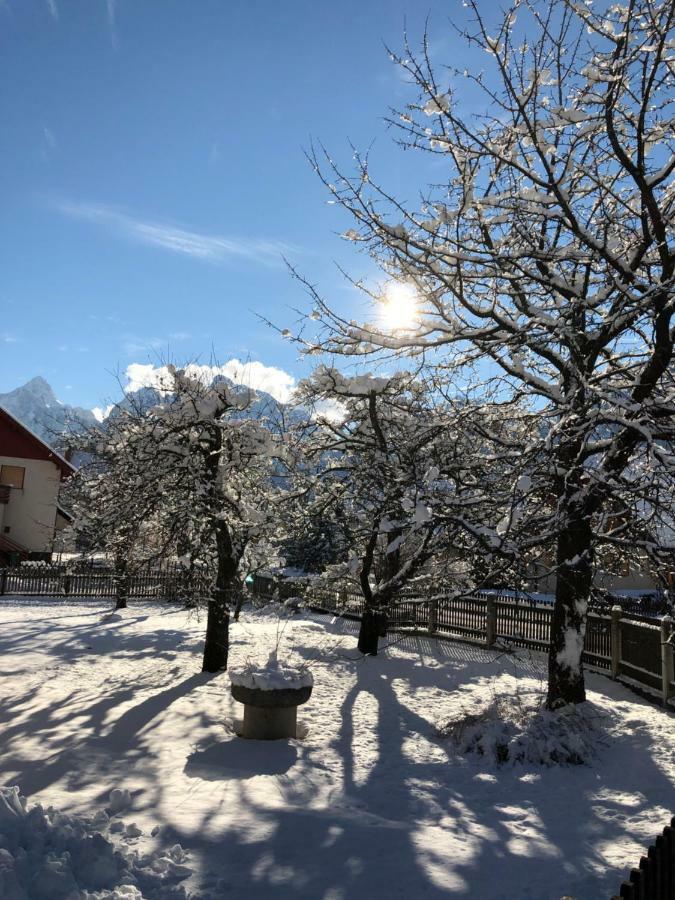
[[547, 252], [113, 512], [402, 476], [205, 473]]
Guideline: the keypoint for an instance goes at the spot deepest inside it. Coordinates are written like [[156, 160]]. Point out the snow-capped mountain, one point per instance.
[[36, 405]]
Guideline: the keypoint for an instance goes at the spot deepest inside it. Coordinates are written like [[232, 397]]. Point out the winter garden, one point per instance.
[[502, 419]]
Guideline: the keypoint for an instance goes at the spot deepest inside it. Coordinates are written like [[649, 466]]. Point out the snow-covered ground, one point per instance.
[[371, 803]]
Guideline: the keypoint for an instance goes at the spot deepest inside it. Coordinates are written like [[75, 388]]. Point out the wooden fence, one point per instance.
[[628, 647], [631, 647], [654, 877], [89, 581]]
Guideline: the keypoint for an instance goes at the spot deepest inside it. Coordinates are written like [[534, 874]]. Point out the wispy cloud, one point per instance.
[[66, 348], [109, 318], [133, 344], [47, 145], [212, 248], [9, 339], [214, 153], [112, 21], [53, 9]]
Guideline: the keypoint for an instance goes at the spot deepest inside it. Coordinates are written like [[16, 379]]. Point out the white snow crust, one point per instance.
[[272, 675], [372, 802], [45, 855], [518, 729]]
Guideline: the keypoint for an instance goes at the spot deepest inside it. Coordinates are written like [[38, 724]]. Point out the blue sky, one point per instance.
[[153, 173]]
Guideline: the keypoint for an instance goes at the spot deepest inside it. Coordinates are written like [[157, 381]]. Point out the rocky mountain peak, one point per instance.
[[36, 405]]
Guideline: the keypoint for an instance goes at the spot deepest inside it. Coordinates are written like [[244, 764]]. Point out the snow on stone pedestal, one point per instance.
[[271, 694]]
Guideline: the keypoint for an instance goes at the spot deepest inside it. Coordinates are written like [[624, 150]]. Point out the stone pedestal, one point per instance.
[[269, 715]]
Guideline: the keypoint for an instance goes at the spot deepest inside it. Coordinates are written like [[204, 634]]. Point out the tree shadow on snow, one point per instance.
[[77, 756], [378, 806], [80, 632], [240, 759], [308, 849], [407, 817]]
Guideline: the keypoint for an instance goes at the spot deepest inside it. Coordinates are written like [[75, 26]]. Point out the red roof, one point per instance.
[[19, 441]]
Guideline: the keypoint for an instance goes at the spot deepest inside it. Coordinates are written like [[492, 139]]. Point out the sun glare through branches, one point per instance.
[[399, 310]]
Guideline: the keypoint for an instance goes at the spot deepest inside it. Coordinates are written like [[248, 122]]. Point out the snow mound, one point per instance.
[[47, 855], [514, 730], [294, 604], [118, 800], [271, 676]]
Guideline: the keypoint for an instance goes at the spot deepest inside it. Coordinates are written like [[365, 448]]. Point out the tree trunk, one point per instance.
[[238, 605], [217, 641], [568, 626], [121, 586], [187, 587], [372, 622]]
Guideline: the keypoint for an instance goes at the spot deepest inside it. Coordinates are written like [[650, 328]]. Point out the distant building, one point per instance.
[[31, 473], [630, 579]]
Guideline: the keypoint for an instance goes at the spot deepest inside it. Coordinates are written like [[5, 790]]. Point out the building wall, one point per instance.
[[540, 578], [30, 514]]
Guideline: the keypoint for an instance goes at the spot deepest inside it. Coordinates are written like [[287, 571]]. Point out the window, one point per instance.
[[12, 476]]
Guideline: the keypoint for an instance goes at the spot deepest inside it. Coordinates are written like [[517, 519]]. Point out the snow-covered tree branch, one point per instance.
[[547, 251], [202, 469]]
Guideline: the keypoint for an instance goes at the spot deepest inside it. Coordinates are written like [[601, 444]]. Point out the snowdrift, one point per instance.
[[47, 855]]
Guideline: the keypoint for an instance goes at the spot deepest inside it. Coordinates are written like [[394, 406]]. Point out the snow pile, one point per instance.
[[271, 675], [119, 800], [114, 616], [47, 855], [293, 604], [513, 729]]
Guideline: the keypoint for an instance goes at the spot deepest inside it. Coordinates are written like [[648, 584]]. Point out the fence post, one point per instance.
[[66, 584], [615, 640], [3, 580], [433, 616], [666, 657], [491, 621]]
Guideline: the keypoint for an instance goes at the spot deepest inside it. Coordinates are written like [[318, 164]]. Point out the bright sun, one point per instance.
[[399, 307]]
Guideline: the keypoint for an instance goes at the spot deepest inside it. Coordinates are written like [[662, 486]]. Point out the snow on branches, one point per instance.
[[198, 471], [414, 489], [544, 260]]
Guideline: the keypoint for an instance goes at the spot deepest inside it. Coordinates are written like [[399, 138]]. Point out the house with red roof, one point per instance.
[[31, 474]]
